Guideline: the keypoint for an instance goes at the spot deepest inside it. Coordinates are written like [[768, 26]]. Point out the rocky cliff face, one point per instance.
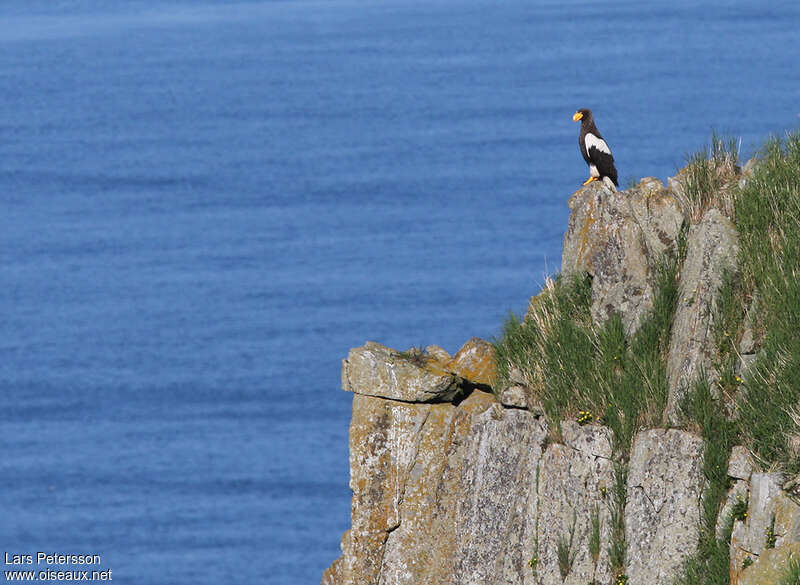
[[454, 483]]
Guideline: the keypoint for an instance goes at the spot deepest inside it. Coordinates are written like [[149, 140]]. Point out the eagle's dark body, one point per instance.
[[594, 149]]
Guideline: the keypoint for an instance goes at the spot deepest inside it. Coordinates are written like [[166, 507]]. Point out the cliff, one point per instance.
[[595, 442]]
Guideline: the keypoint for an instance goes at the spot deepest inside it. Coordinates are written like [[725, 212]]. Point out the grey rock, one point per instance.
[[441, 494], [745, 364], [662, 514], [770, 566], [618, 238], [383, 447], [376, 370], [739, 491], [749, 536], [748, 344], [769, 506], [740, 464], [575, 480], [496, 510], [711, 250], [515, 396], [406, 553], [658, 214]]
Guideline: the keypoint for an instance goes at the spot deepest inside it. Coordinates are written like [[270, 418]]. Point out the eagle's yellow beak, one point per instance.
[[577, 116]]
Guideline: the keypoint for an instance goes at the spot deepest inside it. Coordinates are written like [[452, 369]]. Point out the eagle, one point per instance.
[[595, 151]]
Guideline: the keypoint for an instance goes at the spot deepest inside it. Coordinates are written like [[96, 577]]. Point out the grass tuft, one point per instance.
[[709, 177], [792, 574], [594, 535], [564, 551]]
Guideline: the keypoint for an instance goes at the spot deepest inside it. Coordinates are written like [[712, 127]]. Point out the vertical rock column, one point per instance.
[[575, 479], [711, 249], [662, 513]]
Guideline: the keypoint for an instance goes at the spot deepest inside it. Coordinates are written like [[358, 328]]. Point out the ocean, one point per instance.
[[204, 205]]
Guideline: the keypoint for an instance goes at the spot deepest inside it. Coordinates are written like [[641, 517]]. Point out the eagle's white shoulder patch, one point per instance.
[[593, 141]]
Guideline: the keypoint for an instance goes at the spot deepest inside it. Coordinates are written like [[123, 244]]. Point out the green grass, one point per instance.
[[792, 574], [719, 434], [728, 326], [594, 535], [564, 551], [618, 546], [545, 350], [572, 367], [770, 536], [768, 219]]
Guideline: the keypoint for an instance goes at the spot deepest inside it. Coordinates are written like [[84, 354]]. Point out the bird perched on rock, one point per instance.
[[595, 151]]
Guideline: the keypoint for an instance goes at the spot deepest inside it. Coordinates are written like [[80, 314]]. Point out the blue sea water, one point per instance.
[[204, 205]]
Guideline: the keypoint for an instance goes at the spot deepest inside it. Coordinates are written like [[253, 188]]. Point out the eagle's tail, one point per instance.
[[609, 183]]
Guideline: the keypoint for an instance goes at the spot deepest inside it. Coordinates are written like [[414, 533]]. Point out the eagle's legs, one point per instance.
[[589, 180]]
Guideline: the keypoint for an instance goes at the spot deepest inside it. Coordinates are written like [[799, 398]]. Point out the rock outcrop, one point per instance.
[[481, 493], [619, 238], [441, 493], [662, 515], [457, 482], [376, 370]]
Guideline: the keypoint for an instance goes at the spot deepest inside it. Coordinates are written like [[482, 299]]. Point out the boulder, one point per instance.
[[376, 370], [475, 362], [515, 396], [439, 353], [662, 513]]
